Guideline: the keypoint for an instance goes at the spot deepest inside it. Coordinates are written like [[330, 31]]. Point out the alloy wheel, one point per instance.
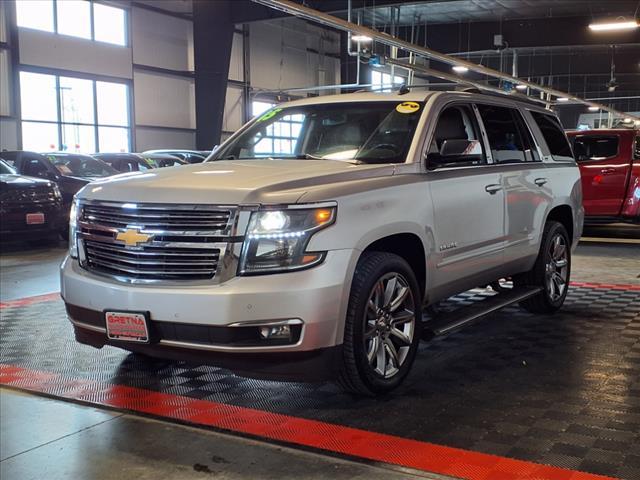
[[390, 324], [557, 268]]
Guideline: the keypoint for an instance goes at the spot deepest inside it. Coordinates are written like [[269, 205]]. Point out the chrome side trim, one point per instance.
[[267, 323], [226, 348]]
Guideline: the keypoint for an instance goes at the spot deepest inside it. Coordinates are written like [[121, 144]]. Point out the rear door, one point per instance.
[[605, 165], [524, 178]]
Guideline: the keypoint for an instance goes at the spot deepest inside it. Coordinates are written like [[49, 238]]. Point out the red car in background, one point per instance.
[[609, 161]]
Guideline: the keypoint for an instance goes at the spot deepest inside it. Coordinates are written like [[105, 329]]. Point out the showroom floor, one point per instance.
[[514, 387]]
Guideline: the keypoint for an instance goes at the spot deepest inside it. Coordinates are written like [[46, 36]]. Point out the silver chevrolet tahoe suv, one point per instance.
[[311, 242]]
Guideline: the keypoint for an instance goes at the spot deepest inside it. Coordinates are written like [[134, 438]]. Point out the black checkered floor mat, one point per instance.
[[561, 390]]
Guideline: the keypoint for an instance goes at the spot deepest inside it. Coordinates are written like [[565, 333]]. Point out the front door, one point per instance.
[[467, 196]]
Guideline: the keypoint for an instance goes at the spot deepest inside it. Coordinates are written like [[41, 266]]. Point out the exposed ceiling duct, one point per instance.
[[310, 14]]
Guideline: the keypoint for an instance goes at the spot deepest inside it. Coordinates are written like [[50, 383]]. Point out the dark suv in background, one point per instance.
[[29, 207], [70, 171]]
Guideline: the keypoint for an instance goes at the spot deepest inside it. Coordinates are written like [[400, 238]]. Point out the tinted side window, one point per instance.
[[34, 168], [553, 135], [456, 139], [595, 147], [530, 149], [636, 151], [504, 135]]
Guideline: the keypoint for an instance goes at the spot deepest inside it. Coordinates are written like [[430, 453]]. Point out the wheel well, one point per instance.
[[564, 215], [408, 246]]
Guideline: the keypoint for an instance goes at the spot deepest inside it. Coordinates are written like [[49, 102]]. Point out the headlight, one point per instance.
[[276, 240], [73, 226]]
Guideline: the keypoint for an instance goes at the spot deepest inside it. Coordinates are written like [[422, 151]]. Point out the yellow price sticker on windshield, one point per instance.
[[408, 107]]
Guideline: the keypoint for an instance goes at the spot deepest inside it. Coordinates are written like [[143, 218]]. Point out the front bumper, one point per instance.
[[316, 297]]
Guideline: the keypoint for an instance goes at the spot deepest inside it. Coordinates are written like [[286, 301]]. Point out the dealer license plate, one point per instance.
[[35, 218], [127, 326]]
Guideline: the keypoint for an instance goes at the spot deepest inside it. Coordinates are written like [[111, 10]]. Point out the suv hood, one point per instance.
[[230, 182]]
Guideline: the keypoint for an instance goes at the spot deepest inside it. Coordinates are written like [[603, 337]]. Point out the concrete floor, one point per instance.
[[45, 438]]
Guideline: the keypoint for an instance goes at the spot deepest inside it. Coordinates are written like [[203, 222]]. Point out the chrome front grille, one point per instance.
[[34, 195], [178, 242]]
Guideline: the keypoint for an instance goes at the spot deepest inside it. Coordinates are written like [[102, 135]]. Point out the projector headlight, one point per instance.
[[276, 240], [73, 226]]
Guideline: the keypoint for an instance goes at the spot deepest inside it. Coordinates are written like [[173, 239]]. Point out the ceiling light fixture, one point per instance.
[[563, 99], [593, 109], [361, 38], [609, 26], [521, 87], [460, 69]]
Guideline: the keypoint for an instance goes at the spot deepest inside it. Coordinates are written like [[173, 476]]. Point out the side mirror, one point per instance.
[[456, 148]]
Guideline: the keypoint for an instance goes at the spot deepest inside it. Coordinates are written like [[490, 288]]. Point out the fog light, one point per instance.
[[281, 332]]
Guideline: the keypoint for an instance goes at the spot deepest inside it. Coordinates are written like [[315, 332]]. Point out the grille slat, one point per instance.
[[186, 241]]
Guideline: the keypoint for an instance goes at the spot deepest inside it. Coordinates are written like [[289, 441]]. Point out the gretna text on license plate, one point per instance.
[[35, 218], [130, 327]]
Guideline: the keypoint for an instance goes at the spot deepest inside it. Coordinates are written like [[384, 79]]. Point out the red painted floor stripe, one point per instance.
[[298, 431], [22, 302]]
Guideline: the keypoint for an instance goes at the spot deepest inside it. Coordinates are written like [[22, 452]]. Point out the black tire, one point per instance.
[[356, 374], [550, 299]]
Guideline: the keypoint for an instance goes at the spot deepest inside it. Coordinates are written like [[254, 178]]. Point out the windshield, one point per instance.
[[5, 169], [81, 166], [365, 132]]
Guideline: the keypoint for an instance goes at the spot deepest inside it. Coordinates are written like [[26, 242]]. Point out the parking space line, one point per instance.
[[287, 429]]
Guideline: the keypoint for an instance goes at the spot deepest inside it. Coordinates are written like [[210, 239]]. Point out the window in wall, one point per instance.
[[381, 79], [279, 137], [36, 14], [554, 135], [78, 18], [73, 114], [110, 24], [74, 18]]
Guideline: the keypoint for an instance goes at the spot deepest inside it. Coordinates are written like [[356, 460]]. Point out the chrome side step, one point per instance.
[[447, 322]]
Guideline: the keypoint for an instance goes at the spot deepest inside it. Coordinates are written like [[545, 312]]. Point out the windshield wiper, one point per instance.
[[307, 156]]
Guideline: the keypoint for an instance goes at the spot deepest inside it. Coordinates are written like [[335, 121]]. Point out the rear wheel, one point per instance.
[[382, 329], [551, 271]]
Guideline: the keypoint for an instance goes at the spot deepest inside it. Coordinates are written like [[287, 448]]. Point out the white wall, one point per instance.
[[164, 100], [44, 49], [150, 139], [279, 56], [161, 41]]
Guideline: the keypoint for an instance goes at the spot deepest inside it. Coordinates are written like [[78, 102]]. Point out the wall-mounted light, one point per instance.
[[460, 69], [361, 38], [610, 26]]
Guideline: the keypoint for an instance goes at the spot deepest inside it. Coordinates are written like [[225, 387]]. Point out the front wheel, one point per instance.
[[551, 271], [382, 328]]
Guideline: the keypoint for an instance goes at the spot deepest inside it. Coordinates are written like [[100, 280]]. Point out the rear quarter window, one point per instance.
[[636, 150], [595, 147], [554, 136]]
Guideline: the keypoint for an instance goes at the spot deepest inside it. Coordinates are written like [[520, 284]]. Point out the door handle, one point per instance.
[[540, 181], [608, 171], [493, 188]]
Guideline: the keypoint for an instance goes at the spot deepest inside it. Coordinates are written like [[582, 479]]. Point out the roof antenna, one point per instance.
[[404, 89]]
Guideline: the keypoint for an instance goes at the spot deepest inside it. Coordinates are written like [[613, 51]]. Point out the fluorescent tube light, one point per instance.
[[609, 26]]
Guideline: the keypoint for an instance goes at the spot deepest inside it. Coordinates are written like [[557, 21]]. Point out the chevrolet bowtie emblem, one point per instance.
[[132, 238]]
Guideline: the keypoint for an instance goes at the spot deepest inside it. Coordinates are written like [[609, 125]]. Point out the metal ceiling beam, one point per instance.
[[307, 13]]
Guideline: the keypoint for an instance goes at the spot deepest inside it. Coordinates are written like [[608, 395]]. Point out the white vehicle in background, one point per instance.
[[310, 242]]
